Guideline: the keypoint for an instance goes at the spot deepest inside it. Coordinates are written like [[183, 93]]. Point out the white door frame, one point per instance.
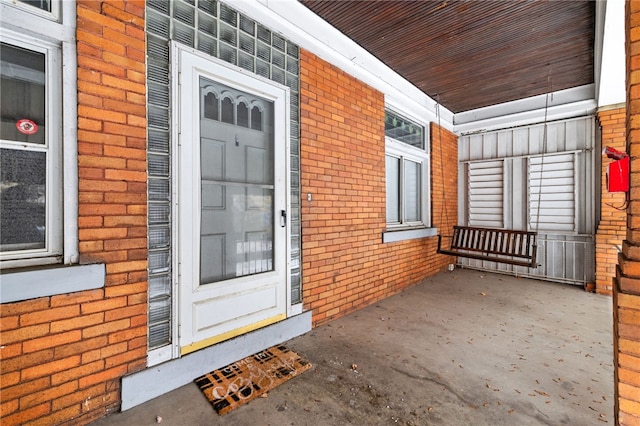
[[187, 198]]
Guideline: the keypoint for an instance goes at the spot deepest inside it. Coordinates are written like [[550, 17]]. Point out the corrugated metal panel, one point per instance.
[[485, 195], [564, 179], [561, 258], [562, 136], [565, 258]]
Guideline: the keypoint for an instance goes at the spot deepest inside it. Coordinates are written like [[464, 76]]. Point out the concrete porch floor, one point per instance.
[[461, 348]]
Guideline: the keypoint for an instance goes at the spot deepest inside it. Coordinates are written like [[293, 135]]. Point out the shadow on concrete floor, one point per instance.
[[461, 348]]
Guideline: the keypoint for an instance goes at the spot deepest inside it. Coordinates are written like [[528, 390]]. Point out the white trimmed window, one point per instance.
[[407, 173], [29, 151], [38, 218]]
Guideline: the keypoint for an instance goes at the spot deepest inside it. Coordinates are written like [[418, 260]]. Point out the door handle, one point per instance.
[[283, 218]]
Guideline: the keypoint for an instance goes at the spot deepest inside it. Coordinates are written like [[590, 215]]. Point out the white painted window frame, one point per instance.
[[54, 15], [53, 34], [51, 148], [394, 148], [36, 27]]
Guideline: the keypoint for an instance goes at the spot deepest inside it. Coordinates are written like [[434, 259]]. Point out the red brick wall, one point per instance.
[[613, 222], [626, 291], [444, 182], [63, 356], [345, 264]]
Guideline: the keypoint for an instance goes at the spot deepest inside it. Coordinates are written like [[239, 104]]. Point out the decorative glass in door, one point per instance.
[[237, 183]]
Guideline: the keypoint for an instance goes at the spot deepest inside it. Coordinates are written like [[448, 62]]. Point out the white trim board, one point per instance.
[[30, 284], [568, 103]]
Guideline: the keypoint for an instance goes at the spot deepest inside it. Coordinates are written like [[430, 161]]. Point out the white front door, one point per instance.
[[232, 201]]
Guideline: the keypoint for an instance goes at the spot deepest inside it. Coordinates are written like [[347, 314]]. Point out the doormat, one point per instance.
[[244, 380]]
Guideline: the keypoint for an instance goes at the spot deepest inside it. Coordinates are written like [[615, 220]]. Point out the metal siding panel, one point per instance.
[[584, 138], [462, 193], [463, 148], [560, 137], [587, 202], [555, 136], [535, 139], [508, 194], [562, 257], [520, 141], [505, 144], [573, 134], [519, 194], [489, 146], [475, 147]]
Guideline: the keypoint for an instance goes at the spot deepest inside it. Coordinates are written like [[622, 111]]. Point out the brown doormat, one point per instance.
[[244, 380]]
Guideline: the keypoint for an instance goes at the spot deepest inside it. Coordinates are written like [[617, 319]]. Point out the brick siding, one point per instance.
[[345, 264], [63, 356], [626, 289], [613, 221]]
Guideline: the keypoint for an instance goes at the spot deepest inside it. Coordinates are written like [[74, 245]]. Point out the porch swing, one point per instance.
[[508, 246]]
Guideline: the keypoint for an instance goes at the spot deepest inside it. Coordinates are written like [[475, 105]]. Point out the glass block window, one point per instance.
[[216, 29]]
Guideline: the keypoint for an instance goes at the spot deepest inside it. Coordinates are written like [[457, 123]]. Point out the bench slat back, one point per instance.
[[503, 242]]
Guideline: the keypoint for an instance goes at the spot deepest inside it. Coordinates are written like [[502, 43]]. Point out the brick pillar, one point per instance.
[[626, 291], [613, 221]]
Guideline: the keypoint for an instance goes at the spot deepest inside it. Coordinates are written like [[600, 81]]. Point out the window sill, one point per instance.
[[392, 236], [24, 285]]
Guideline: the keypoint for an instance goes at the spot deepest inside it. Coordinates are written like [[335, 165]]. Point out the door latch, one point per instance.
[[283, 218]]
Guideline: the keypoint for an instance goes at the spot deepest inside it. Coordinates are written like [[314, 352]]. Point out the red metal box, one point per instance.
[[618, 175]]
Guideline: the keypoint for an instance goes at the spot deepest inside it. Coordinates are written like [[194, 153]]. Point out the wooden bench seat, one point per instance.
[[493, 245]]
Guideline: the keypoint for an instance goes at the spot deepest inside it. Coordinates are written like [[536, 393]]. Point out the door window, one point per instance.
[[237, 184]]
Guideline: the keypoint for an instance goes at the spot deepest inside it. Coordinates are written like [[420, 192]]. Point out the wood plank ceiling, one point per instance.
[[472, 54]]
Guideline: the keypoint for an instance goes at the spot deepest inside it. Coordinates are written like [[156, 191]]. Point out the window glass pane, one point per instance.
[[211, 106], [403, 130], [256, 118], [40, 4], [237, 184], [227, 110], [22, 206], [411, 191], [22, 95], [243, 115], [393, 189]]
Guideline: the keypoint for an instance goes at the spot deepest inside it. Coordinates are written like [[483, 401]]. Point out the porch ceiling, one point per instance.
[[472, 54]]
